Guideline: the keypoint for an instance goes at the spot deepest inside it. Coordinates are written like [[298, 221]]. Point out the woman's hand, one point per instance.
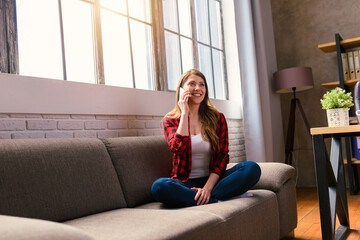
[[183, 102], [202, 196]]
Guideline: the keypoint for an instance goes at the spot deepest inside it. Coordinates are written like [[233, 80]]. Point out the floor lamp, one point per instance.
[[293, 80]]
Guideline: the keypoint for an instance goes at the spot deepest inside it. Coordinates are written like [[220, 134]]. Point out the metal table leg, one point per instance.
[[331, 188]]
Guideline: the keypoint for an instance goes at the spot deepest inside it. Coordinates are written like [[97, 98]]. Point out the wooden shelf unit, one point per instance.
[[353, 161], [349, 83], [341, 46], [347, 43], [353, 122], [335, 130]]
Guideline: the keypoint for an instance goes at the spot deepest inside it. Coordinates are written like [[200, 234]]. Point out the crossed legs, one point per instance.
[[234, 182]]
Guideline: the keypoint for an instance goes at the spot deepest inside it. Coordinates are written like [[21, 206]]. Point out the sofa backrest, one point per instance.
[[57, 179], [139, 161]]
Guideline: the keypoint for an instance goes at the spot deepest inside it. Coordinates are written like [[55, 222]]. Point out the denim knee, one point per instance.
[[158, 186], [255, 171]]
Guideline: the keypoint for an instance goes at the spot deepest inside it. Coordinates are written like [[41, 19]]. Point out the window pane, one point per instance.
[[172, 59], [78, 36], [187, 54], [140, 9], [219, 74], [141, 40], [38, 40], [170, 15], [116, 5], [215, 24], [206, 67], [116, 50], [202, 21], [185, 17]]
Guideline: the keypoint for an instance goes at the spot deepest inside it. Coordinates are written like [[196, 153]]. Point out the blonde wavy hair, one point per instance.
[[209, 115]]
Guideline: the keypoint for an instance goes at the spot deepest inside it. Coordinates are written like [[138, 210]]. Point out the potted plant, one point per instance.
[[337, 103]]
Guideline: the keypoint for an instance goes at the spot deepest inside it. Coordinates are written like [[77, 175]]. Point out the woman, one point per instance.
[[197, 135]]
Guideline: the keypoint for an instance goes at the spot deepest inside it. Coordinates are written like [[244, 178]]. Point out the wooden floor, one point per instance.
[[309, 218]]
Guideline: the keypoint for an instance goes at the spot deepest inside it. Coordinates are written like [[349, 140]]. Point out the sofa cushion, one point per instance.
[[132, 223], [30, 229], [57, 179], [253, 217], [139, 161]]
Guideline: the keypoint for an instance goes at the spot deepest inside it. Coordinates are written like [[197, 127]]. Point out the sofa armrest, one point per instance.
[[19, 228], [273, 175], [279, 178]]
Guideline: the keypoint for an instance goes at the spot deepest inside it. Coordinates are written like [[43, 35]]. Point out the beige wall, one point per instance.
[[299, 26]]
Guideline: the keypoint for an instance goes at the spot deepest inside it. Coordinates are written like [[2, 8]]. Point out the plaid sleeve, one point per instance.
[[222, 155], [177, 143]]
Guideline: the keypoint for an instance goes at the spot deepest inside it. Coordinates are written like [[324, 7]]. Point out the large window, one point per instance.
[[193, 38], [143, 44], [39, 41], [127, 43]]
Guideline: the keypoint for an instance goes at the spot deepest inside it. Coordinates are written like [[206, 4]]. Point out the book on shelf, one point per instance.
[[350, 56], [357, 148], [357, 64], [344, 59], [351, 65]]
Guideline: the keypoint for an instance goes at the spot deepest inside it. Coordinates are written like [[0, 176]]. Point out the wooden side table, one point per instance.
[[330, 179]]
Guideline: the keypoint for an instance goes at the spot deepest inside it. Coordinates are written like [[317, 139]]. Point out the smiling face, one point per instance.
[[197, 88]]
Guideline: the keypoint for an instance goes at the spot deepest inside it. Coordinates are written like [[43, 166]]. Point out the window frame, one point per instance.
[[98, 43], [9, 59], [195, 42], [160, 82]]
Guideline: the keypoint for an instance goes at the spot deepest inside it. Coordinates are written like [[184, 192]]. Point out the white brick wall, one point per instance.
[[12, 125], [95, 125], [117, 124], [71, 125], [15, 126], [41, 124], [136, 124], [236, 140]]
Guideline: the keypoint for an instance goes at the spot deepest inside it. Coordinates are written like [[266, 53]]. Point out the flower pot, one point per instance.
[[337, 117]]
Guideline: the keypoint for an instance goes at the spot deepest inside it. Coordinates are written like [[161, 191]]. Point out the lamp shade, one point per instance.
[[297, 77]]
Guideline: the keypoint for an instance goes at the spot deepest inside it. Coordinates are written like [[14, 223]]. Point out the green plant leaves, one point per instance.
[[337, 98]]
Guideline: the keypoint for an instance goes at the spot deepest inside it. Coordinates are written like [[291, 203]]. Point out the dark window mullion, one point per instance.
[[9, 57], [224, 56], [179, 38], [194, 35], [207, 45], [124, 15], [181, 35], [211, 49], [62, 40], [130, 45], [158, 45], [98, 49]]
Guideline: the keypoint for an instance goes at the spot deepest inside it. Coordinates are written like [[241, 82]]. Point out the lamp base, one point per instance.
[[289, 148]]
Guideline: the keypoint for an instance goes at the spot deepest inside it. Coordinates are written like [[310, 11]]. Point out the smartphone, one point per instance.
[[182, 92]]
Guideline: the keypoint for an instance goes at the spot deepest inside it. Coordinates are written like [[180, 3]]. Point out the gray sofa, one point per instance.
[[100, 189]]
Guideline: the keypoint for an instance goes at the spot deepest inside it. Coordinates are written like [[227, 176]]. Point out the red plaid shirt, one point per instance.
[[181, 147]]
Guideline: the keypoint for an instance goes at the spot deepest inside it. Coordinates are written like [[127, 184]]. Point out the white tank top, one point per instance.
[[201, 153]]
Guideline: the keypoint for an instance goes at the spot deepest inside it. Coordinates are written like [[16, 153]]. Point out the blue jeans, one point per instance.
[[235, 181]]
